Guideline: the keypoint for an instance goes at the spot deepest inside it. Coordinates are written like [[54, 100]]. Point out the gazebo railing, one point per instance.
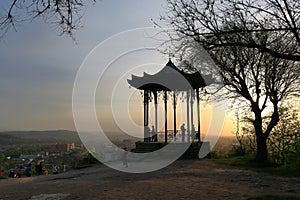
[[170, 133]]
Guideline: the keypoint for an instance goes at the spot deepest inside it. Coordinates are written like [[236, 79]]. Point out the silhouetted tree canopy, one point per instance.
[[64, 15], [211, 22], [254, 45], [260, 80]]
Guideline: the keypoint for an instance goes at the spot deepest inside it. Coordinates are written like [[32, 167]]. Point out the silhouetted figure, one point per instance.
[[182, 128], [125, 156], [11, 173], [39, 169], [20, 171], [193, 134], [175, 135], [63, 168], [153, 134], [198, 136], [28, 170], [147, 134]]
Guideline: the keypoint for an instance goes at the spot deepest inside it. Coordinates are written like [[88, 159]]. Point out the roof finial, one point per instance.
[[170, 55]]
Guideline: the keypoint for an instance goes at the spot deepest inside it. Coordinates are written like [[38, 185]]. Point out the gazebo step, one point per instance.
[[191, 153]]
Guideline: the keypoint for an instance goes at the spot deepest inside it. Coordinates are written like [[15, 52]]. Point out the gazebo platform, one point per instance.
[[191, 153]]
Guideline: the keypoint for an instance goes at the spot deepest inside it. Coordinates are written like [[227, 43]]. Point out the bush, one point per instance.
[[86, 160]]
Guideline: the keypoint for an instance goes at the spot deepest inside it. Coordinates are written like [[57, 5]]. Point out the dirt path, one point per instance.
[[185, 179]]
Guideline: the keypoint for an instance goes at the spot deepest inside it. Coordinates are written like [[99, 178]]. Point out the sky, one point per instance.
[[38, 67]]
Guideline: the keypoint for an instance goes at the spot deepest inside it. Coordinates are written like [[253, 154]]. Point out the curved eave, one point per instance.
[[170, 77], [147, 86], [196, 80]]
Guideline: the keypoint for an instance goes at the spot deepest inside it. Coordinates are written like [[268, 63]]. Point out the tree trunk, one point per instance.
[[262, 151], [261, 139]]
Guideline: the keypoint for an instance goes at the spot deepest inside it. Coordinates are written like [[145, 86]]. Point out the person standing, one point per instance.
[[125, 156], [193, 132], [147, 133], [153, 134], [28, 170], [182, 128], [20, 171], [63, 167], [39, 169]]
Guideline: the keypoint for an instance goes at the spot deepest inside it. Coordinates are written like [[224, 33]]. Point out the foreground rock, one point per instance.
[[49, 196]]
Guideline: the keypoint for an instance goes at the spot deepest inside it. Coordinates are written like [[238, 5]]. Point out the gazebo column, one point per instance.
[[192, 114], [188, 114], [198, 113], [166, 116], [174, 108], [155, 108], [146, 115]]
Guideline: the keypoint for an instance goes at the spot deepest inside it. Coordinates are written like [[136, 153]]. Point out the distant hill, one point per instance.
[[38, 137], [19, 138], [50, 137]]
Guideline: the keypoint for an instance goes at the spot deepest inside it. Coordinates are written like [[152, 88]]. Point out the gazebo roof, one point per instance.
[[170, 78]]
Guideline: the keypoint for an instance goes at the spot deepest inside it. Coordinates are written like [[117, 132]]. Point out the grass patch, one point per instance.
[[274, 197], [292, 169], [243, 161], [286, 170]]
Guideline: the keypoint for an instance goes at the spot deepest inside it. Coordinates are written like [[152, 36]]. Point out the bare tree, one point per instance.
[[247, 54], [285, 138], [64, 15], [260, 79], [210, 22]]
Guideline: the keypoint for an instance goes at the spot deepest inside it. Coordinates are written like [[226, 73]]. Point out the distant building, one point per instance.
[[61, 147]]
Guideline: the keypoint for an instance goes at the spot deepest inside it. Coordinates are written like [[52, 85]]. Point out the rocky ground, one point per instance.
[[184, 179]]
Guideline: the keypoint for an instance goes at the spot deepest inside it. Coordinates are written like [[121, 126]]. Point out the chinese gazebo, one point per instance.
[[172, 80]]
